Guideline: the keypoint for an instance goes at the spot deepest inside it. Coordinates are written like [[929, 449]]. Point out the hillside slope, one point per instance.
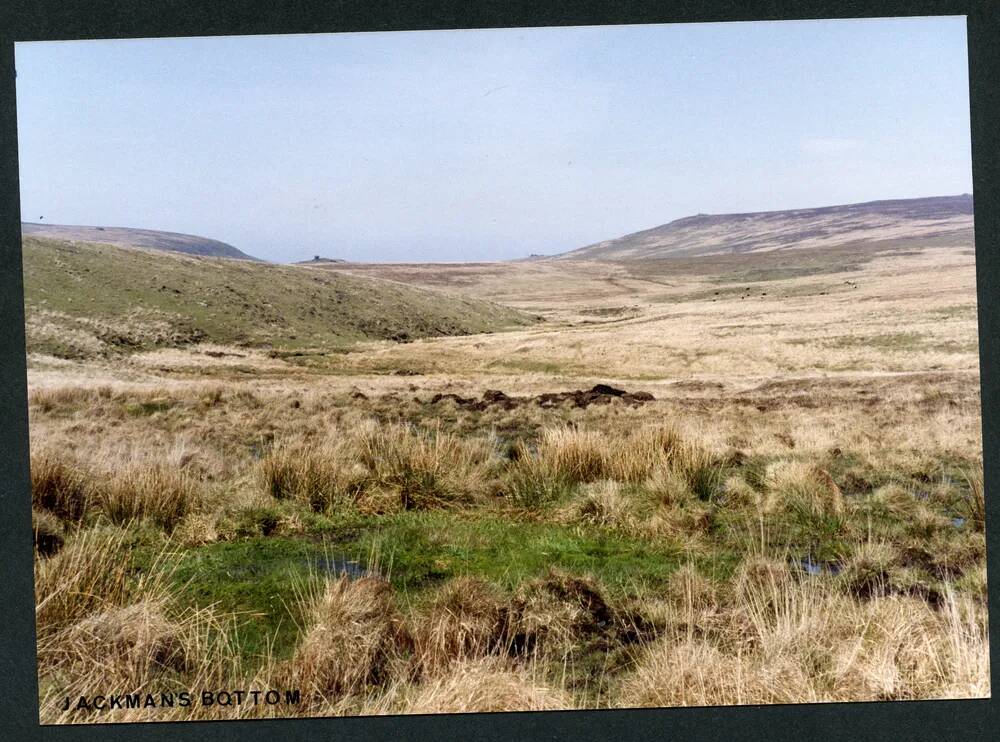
[[85, 299], [707, 234], [147, 238]]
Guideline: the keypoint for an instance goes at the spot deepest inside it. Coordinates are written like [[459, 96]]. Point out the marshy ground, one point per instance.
[[786, 506]]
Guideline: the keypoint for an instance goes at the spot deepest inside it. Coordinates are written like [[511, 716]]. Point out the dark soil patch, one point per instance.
[[599, 394]]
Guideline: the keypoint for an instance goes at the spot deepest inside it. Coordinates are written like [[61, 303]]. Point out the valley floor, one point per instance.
[[786, 506]]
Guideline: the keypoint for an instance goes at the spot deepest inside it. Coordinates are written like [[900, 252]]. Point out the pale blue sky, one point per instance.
[[470, 145]]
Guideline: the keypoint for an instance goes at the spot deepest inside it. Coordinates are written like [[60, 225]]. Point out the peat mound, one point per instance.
[[598, 394]]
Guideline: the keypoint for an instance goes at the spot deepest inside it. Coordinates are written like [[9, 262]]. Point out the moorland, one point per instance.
[[730, 460]]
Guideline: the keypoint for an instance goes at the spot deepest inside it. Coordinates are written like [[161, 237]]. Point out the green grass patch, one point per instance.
[[422, 548], [256, 577]]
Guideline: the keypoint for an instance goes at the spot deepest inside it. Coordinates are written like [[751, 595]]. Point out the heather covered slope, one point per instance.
[[85, 299], [128, 237], [944, 217]]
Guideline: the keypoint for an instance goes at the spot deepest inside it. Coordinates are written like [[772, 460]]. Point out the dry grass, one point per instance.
[[381, 467], [158, 493], [356, 638], [141, 648], [604, 503], [577, 455], [197, 529], [92, 572], [801, 486], [580, 455], [425, 469], [124, 647], [320, 477], [487, 685], [548, 617], [62, 488], [977, 498], [465, 620], [783, 641]]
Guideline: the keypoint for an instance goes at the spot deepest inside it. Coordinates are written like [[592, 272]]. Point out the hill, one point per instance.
[[146, 238], [88, 299], [719, 234]]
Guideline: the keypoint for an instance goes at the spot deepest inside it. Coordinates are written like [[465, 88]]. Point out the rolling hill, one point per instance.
[[766, 231], [88, 299], [145, 238]]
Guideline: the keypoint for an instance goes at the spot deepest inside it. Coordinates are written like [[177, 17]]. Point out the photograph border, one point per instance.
[[54, 20]]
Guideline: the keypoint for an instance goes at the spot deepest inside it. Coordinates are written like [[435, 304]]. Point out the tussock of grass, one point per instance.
[[319, 477], [550, 615], [691, 589], [465, 620], [382, 468], [588, 456], [657, 457], [760, 577], [976, 499], [197, 529], [92, 572], [356, 638], [60, 487], [425, 469], [801, 486], [487, 685], [870, 571], [604, 503], [157, 492], [67, 490], [126, 645], [532, 484], [140, 646], [578, 455], [47, 400]]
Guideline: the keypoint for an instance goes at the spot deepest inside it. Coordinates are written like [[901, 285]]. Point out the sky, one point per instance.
[[486, 144]]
